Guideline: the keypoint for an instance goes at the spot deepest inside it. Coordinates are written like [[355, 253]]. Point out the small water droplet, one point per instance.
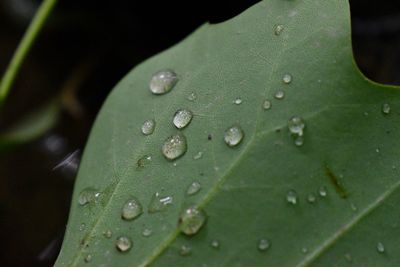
[[82, 227], [107, 233], [88, 195], [380, 247], [191, 220], [299, 141], [263, 244], [215, 244], [192, 96], [237, 101], [291, 197], [377, 150], [304, 250], [280, 94], [296, 125], [185, 250], [148, 127], [278, 29], [287, 78], [143, 161], [198, 155], [311, 198], [131, 209], [163, 81], [159, 203], [147, 232], [233, 136], [193, 188], [88, 258], [353, 207], [386, 108], [174, 146], [267, 104], [182, 118], [323, 192], [123, 243]]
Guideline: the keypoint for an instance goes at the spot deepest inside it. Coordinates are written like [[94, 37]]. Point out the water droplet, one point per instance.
[[191, 220], [123, 243], [131, 209], [148, 127], [380, 247], [143, 161], [263, 244], [159, 203], [287, 78], [163, 81], [291, 197], [185, 250], [377, 150], [296, 125], [215, 244], [88, 258], [192, 96], [323, 192], [88, 195], [278, 29], [182, 118], [280, 94], [147, 232], [299, 141], [233, 136], [237, 101], [198, 155], [267, 104], [174, 146], [107, 233], [311, 198], [193, 188], [386, 108], [82, 227], [304, 250]]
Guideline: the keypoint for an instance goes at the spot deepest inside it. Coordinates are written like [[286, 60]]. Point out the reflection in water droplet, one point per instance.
[[159, 203], [123, 243], [291, 197], [237, 101], [280, 94], [88, 258], [174, 146], [380, 247], [147, 232], [107, 233], [192, 96], [131, 209], [287, 78], [386, 108], [163, 81], [193, 188], [191, 220], [311, 198], [233, 136], [88, 195], [143, 161], [323, 192], [148, 127], [278, 29], [263, 244], [198, 155], [182, 118], [267, 104], [185, 250], [215, 244]]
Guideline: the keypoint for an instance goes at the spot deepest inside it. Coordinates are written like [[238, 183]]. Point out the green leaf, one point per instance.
[[263, 188]]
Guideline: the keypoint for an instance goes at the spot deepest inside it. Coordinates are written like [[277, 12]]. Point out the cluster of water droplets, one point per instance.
[[296, 127]]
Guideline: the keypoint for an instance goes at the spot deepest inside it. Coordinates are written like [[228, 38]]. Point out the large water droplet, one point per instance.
[[233, 136], [215, 244], [380, 247], [323, 192], [185, 250], [88, 195], [238, 101], [264, 244], [148, 127], [147, 232], [386, 108], [159, 203], [291, 197], [193, 188], [278, 29], [191, 220], [267, 104], [143, 161], [174, 146], [182, 118], [163, 81], [131, 209], [280, 94], [287, 78], [123, 243]]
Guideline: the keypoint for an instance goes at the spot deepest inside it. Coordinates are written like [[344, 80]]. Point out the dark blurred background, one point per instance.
[[84, 50]]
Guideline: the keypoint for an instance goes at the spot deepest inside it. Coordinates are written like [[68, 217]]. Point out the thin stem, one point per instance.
[[23, 48]]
